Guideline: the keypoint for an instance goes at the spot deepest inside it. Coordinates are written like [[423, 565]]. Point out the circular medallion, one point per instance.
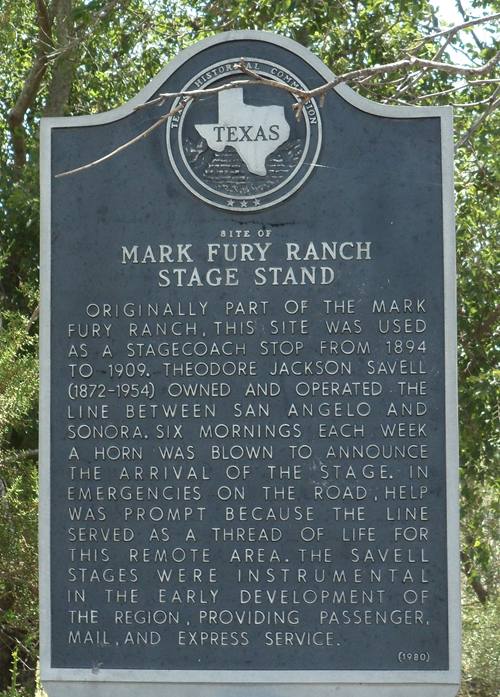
[[241, 148]]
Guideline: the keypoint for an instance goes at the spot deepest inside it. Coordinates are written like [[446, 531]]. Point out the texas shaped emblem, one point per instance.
[[253, 131]]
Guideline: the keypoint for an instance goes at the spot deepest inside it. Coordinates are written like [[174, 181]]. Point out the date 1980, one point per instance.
[[413, 657]]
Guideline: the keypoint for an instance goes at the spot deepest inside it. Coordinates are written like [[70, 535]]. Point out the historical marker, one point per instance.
[[249, 443]]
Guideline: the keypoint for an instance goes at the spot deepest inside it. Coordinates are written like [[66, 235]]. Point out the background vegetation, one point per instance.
[[61, 57]]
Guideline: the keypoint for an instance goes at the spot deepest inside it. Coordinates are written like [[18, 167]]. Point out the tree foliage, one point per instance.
[[82, 56]]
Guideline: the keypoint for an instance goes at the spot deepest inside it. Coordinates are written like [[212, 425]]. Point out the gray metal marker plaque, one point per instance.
[[248, 412]]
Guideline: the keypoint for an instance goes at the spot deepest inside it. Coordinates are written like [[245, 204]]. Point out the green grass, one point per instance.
[[481, 648]]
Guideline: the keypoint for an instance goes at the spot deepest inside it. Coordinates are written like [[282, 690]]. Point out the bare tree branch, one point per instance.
[[187, 97], [458, 88], [470, 105], [455, 29], [449, 35], [301, 96], [479, 120], [141, 136], [354, 76], [194, 94]]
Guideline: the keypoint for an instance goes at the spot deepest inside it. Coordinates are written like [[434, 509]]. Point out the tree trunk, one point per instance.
[[63, 68]]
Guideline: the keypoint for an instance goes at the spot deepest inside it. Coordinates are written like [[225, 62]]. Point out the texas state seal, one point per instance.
[[241, 147]]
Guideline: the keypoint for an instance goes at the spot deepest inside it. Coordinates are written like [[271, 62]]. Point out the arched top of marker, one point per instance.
[[343, 90]]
